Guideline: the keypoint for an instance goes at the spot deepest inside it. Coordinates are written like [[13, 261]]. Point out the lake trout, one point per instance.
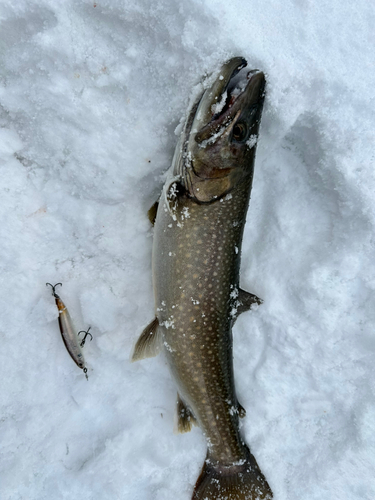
[[198, 229]]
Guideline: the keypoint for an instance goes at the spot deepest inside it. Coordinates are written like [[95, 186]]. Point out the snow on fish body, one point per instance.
[[198, 232]]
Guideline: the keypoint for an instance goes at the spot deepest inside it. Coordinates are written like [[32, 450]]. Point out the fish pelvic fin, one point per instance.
[[242, 481], [185, 417], [149, 342]]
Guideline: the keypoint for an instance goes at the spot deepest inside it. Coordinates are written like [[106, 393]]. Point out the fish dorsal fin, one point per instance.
[[149, 342]]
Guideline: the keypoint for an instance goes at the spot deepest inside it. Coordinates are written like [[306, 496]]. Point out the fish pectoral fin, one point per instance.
[[246, 300], [185, 417], [152, 212], [149, 342]]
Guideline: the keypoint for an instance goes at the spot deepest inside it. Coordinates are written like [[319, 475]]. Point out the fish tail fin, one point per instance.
[[242, 481]]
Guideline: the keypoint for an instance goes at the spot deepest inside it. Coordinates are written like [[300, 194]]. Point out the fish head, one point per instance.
[[221, 133]]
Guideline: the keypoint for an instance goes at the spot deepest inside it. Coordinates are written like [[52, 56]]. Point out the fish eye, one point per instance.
[[239, 131]]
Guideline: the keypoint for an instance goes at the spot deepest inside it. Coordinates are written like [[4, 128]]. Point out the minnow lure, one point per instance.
[[68, 334]]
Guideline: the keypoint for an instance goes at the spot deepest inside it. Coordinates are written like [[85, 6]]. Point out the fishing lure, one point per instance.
[[68, 334]]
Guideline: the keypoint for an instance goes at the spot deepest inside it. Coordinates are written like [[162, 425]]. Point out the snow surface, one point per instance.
[[90, 98]]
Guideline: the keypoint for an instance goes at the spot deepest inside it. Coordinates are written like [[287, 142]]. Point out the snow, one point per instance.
[[90, 97]]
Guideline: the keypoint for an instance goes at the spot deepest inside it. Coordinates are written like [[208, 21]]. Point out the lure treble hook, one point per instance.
[[84, 338], [53, 289]]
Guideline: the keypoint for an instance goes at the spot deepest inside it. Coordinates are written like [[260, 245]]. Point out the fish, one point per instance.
[[198, 229], [68, 334]]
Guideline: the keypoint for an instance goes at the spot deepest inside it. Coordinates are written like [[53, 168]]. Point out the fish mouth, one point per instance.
[[236, 89]]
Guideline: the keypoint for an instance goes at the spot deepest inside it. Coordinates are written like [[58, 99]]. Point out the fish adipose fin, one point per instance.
[[241, 411], [152, 212], [149, 342], [246, 300], [243, 481], [185, 417]]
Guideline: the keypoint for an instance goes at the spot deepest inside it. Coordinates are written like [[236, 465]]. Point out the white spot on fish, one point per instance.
[[233, 410], [169, 323], [251, 142], [185, 213], [233, 312], [168, 347]]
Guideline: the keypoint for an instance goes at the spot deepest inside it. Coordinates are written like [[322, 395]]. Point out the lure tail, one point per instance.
[[244, 481]]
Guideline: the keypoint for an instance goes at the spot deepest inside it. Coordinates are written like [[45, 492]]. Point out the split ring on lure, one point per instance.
[[68, 334]]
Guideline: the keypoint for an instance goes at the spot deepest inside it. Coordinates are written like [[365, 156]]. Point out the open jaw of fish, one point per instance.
[[198, 228]]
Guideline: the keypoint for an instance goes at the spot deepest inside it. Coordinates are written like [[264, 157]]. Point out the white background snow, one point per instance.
[[90, 97]]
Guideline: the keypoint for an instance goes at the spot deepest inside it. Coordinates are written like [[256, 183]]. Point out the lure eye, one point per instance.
[[239, 131]]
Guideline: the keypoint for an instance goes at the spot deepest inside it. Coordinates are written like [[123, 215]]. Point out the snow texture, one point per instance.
[[91, 95]]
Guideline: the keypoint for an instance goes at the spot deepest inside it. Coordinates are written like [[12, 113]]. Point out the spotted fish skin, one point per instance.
[[196, 307], [198, 234]]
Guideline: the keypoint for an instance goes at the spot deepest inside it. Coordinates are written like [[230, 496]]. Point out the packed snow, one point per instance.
[[92, 95]]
